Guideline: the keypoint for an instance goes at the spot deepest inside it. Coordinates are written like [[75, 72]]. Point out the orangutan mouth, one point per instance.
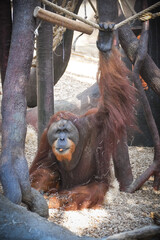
[[62, 149]]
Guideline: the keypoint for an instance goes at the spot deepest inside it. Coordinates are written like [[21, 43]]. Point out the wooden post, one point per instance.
[[44, 76], [62, 21]]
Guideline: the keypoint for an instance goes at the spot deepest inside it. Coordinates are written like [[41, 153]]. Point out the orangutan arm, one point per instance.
[[80, 197]]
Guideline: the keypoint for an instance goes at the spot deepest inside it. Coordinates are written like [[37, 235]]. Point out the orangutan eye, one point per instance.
[[65, 131], [58, 131]]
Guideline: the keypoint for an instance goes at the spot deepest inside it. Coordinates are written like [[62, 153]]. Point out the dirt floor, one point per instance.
[[121, 211]]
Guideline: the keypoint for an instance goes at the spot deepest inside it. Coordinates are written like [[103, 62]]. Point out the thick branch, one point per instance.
[[149, 71], [148, 233], [142, 179], [141, 54], [5, 33]]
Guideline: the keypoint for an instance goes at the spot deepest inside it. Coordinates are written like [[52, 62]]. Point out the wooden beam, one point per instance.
[[62, 21]]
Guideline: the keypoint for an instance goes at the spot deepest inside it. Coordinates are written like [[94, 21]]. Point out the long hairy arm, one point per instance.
[[117, 101]]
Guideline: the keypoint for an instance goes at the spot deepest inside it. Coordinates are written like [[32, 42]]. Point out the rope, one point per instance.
[[73, 15], [137, 15], [149, 16], [58, 31], [94, 25], [154, 15]]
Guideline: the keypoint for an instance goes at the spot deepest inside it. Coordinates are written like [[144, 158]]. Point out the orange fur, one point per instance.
[[117, 101], [89, 196], [44, 180], [64, 156]]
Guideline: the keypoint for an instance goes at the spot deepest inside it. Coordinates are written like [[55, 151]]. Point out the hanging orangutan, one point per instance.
[[72, 164]]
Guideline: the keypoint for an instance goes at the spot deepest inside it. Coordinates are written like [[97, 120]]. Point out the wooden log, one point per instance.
[[62, 21], [149, 232]]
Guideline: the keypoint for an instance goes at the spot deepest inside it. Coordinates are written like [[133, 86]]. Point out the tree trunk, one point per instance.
[[13, 165], [5, 33]]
